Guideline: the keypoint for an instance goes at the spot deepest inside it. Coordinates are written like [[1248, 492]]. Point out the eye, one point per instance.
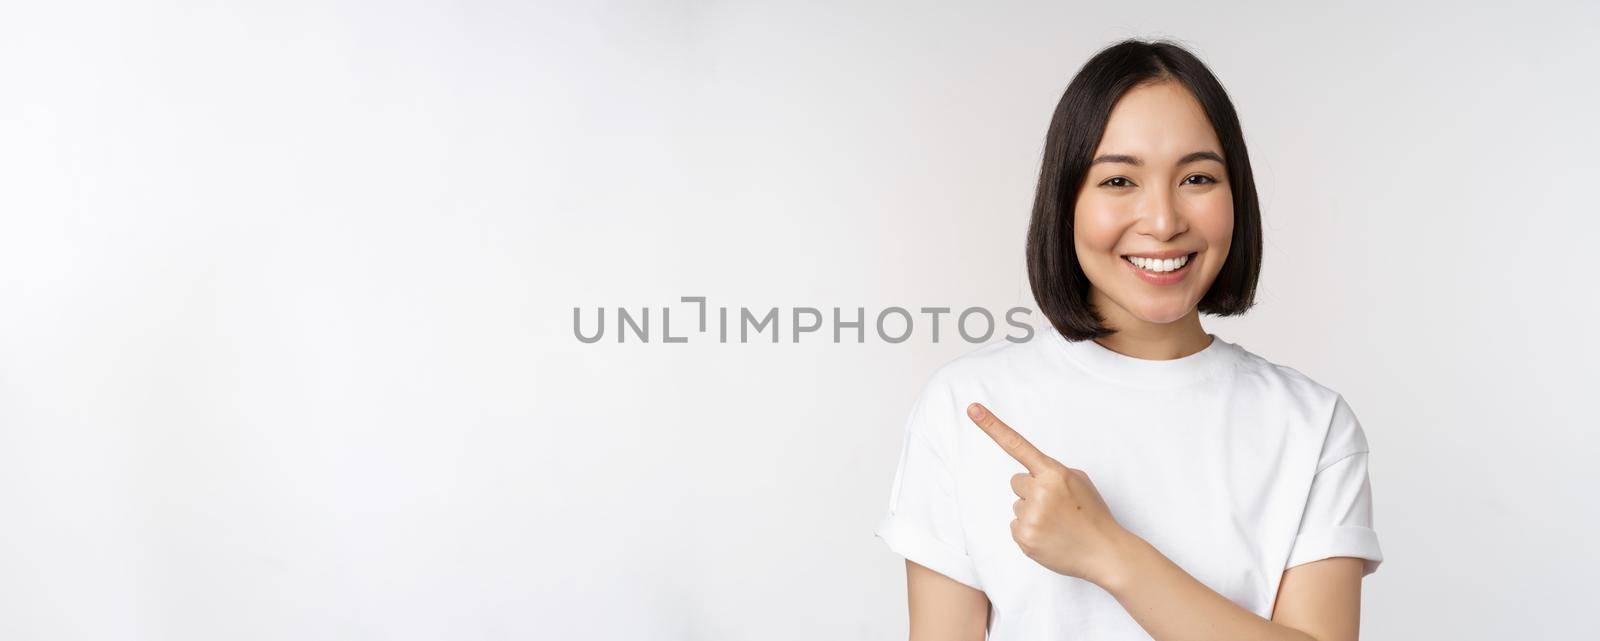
[[1108, 182], [1207, 180]]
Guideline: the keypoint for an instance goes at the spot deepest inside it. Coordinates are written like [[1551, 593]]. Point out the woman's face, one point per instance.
[[1157, 188]]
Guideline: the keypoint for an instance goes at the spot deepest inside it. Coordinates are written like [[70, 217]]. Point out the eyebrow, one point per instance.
[[1135, 161]]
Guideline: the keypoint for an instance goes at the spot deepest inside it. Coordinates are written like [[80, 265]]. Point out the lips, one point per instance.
[[1164, 254], [1162, 278], [1158, 265]]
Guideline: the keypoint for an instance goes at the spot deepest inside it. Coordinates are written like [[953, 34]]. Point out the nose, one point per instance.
[[1159, 218]]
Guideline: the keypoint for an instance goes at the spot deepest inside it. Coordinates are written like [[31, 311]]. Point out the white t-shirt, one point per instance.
[[1232, 466]]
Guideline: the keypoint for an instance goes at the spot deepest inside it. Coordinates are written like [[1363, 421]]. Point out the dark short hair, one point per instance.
[[1059, 284]]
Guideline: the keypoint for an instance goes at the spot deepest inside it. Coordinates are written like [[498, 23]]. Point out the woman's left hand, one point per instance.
[[1062, 522]]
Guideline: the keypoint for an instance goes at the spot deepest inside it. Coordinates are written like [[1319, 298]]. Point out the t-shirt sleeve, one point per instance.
[[1338, 515], [923, 523]]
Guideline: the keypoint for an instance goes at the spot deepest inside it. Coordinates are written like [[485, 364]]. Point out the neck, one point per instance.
[[1151, 341]]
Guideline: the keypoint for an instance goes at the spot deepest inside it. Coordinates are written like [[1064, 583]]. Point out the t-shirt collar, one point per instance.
[[1146, 373]]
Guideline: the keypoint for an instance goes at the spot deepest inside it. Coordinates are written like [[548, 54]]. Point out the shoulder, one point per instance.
[[1000, 364], [1284, 382], [940, 408], [1322, 410]]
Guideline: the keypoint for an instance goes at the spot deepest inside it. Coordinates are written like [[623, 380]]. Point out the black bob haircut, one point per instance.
[[1059, 284]]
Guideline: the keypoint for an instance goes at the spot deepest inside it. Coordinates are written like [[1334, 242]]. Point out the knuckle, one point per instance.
[[1027, 532]]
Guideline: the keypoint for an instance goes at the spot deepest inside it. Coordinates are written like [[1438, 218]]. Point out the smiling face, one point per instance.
[[1157, 189]]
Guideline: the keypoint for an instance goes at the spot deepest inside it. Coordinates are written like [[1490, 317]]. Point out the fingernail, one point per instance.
[[975, 410]]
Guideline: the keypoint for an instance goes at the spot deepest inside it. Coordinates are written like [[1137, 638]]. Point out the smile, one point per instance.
[[1165, 271]]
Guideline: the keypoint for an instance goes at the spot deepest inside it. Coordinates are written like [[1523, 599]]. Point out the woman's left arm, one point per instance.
[[1317, 601]]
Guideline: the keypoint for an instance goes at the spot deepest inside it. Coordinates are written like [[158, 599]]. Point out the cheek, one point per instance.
[[1096, 226], [1213, 219]]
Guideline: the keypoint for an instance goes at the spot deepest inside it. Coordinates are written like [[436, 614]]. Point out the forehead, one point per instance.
[[1158, 122]]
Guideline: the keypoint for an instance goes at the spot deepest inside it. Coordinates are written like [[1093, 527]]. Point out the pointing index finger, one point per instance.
[[1013, 443]]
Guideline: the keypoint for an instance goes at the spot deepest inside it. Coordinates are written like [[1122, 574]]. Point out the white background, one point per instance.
[[286, 297]]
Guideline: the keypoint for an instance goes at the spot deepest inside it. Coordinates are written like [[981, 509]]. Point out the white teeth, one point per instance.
[[1158, 266]]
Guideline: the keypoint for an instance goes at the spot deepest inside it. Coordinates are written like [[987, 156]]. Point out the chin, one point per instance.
[[1162, 316]]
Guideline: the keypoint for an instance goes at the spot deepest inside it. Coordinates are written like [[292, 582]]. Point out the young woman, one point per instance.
[[1126, 474]]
